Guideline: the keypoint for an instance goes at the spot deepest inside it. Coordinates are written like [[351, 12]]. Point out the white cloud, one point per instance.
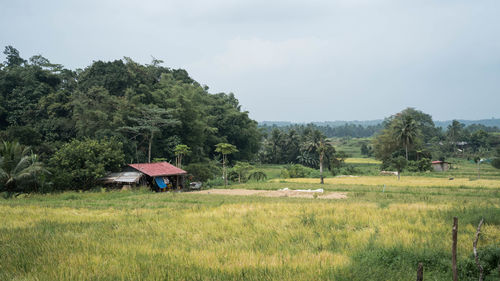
[[242, 56]]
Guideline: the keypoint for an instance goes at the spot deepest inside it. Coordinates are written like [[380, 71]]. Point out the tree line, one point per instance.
[[138, 111], [410, 136], [346, 130], [406, 140]]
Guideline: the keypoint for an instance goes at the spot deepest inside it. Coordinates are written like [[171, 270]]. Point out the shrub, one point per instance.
[[257, 175], [203, 171], [421, 165], [284, 174], [496, 162], [80, 163], [214, 182], [298, 171]]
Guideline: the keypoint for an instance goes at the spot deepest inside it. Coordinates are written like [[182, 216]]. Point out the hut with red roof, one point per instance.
[[159, 176]]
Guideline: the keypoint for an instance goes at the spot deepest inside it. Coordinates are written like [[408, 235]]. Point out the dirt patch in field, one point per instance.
[[273, 193]]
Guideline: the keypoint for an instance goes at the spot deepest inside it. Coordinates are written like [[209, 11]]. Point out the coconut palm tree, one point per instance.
[[316, 143], [18, 166], [405, 130]]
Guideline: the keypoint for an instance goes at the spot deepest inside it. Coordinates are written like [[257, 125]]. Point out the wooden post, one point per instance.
[[474, 246], [420, 272], [454, 249]]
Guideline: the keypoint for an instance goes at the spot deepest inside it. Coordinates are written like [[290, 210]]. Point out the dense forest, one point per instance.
[[143, 111]]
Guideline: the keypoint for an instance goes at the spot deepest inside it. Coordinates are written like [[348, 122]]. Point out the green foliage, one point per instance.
[[337, 162], [203, 171], [399, 163], [78, 164], [404, 134], [225, 148], [366, 150], [241, 169], [489, 258], [149, 108], [12, 56], [257, 176], [20, 169], [496, 162], [421, 165], [296, 171], [181, 150]]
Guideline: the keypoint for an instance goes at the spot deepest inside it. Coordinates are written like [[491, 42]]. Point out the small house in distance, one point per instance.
[[441, 166]]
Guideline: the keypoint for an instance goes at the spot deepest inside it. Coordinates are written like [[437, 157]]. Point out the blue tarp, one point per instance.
[[160, 182]]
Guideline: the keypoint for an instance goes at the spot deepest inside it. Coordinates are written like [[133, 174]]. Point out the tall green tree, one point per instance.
[[399, 163], [150, 122], [225, 149], [455, 133], [241, 168], [406, 131], [318, 144], [402, 135], [12, 56], [181, 150]]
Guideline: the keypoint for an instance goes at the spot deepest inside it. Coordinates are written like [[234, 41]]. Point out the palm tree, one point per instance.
[[405, 130], [455, 132], [18, 165], [316, 142]]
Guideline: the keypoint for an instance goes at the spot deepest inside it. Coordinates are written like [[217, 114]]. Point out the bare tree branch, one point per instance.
[[474, 245]]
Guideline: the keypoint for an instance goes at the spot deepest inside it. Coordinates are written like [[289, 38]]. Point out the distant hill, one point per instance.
[[323, 123], [486, 122], [493, 122]]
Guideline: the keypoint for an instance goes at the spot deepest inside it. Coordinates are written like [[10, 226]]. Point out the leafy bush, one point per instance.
[[489, 258], [284, 174], [203, 171], [257, 175], [296, 171], [496, 162], [421, 165], [214, 182], [78, 164]]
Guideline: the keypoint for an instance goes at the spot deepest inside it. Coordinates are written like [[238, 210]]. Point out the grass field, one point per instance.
[[138, 235]]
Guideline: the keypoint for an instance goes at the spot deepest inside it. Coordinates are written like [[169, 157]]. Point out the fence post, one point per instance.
[[454, 249], [420, 272]]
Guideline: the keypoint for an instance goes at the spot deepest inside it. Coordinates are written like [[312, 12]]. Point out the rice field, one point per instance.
[[362, 161], [139, 235], [405, 181]]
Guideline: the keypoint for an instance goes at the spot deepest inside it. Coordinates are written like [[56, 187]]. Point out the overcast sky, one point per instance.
[[312, 60]]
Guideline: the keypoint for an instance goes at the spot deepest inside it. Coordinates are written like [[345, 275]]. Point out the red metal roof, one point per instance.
[[158, 169]]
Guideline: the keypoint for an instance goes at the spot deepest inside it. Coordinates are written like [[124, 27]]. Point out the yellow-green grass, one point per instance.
[[180, 236], [405, 181], [362, 161]]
